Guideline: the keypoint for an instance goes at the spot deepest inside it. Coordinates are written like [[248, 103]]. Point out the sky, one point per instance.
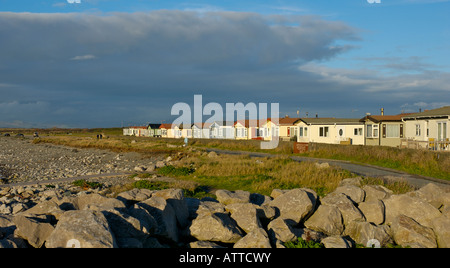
[[113, 63]]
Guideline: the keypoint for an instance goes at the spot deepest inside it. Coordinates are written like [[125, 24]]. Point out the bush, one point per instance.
[[303, 244], [171, 170]]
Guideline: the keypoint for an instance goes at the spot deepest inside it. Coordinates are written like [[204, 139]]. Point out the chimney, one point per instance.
[[317, 115], [382, 111]]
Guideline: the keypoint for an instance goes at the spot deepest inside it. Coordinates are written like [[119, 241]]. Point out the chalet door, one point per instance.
[[442, 131], [340, 133]]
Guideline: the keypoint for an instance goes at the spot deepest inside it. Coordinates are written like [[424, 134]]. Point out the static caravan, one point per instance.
[[384, 130], [331, 130], [288, 128], [430, 129]]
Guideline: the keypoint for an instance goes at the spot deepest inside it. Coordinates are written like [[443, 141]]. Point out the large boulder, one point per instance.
[[373, 211], [296, 204], [245, 215], [216, 227], [165, 216], [353, 192], [415, 208], [345, 205], [327, 219], [441, 227], [228, 197], [35, 230], [257, 238], [175, 198], [82, 228], [365, 233], [408, 232]]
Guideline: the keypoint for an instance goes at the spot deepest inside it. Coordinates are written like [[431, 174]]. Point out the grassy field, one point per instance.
[[197, 172]]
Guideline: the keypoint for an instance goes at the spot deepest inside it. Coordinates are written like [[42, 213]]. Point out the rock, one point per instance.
[[363, 232], [160, 164], [135, 195], [245, 215], [295, 204], [49, 207], [204, 244], [175, 198], [323, 165], [277, 192], [355, 193], [280, 230], [376, 192], [327, 219], [212, 155], [345, 205], [432, 194], [408, 232], [336, 242], [415, 208], [216, 227], [357, 181], [151, 167], [97, 202], [84, 228], [257, 238], [227, 197], [34, 230], [164, 215], [139, 169], [441, 227], [373, 211]]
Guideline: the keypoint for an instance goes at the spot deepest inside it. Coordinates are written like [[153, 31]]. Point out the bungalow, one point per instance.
[[246, 129], [221, 130], [429, 127], [269, 129], [137, 131], [200, 130], [167, 131], [288, 128], [384, 130], [331, 130], [154, 130]]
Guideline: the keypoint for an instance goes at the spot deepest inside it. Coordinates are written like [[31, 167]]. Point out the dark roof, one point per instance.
[[154, 126], [384, 118], [330, 121], [440, 112]]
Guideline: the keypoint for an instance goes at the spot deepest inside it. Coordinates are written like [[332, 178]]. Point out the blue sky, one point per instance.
[[104, 63]]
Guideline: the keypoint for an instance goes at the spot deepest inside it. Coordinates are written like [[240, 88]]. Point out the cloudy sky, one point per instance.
[[108, 63]]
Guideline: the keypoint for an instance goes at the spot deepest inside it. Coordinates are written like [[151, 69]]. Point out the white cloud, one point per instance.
[[84, 57]]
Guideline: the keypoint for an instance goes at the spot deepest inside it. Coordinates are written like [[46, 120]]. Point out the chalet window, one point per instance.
[[418, 132], [358, 132], [392, 131], [323, 132], [372, 131]]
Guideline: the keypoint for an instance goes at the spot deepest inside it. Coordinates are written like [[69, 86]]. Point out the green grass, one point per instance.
[[300, 243]]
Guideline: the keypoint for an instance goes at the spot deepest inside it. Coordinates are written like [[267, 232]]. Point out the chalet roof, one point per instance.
[[288, 121], [166, 126], [384, 118], [154, 126], [330, 121], [440, 112]]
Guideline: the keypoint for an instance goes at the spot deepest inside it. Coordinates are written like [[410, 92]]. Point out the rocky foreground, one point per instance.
[[368, 216], [63, 215]]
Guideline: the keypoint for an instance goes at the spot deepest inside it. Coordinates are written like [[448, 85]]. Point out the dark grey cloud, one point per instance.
[[92, 70]]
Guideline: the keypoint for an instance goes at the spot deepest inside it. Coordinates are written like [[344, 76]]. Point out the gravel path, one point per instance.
[[22, 161]]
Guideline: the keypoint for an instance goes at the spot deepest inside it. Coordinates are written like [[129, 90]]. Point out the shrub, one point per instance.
[[300, 243]]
